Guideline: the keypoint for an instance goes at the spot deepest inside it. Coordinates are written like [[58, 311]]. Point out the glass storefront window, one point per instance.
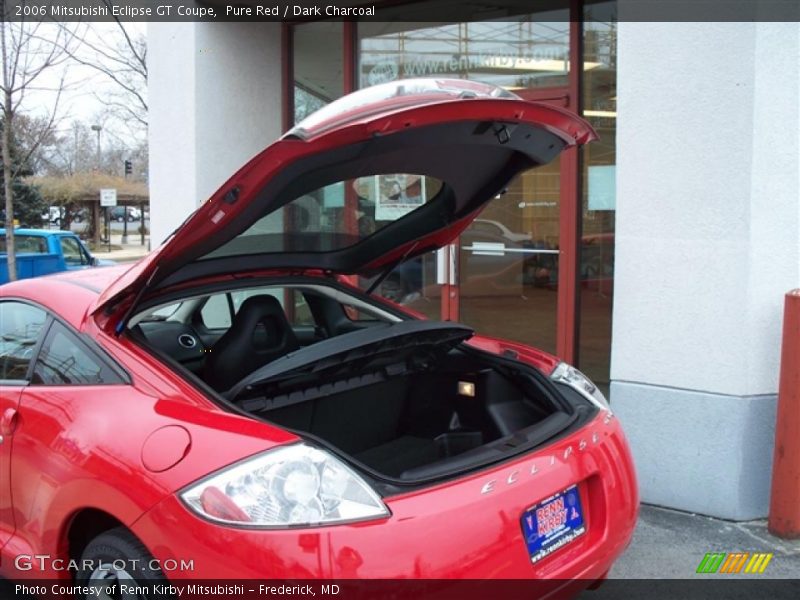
[[517, 52], [599, 194], [507, 264], [502, 44], [318, 51]]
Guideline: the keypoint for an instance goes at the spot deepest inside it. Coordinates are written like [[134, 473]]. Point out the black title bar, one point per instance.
[[388, 10]]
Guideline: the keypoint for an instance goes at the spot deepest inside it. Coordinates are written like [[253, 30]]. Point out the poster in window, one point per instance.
[[397, 195]]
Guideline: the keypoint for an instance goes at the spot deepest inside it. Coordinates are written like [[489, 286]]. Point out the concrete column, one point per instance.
[[707, 242], [215, 102], [171, 55]]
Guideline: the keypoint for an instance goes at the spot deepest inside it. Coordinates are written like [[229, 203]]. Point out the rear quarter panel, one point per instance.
[[80, 447]]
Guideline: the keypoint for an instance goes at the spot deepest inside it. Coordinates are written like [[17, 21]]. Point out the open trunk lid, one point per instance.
[[377, 177]]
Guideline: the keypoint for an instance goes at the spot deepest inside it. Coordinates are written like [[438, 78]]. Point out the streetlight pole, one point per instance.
[[124, 239], [98, 129]]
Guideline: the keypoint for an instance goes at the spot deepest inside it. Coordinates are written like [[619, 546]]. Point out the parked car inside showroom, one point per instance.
[[234, 400]]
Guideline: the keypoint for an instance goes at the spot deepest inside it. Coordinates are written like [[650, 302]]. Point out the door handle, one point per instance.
[[8, 422], [497, 249]]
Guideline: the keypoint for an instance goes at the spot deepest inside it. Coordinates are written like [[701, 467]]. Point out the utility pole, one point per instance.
[[128, 170], [97, 129]]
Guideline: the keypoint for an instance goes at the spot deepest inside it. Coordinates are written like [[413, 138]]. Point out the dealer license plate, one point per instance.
[[553, 523]]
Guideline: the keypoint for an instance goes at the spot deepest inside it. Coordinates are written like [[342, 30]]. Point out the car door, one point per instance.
[[21, 326], [64, 426]]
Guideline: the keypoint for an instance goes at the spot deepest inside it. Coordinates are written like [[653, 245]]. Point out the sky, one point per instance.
[[82, 99]]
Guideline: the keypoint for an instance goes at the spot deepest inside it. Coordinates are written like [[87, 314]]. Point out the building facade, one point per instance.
[[654, 259]]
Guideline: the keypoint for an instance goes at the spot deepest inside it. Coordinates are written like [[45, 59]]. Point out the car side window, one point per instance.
[[219, 310], [216, 312], [65, 360], [73, 254], [356, 314], [240, 296], [299, 316], [20, 328]]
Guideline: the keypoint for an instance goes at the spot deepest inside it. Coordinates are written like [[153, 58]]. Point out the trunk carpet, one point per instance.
[[401, 454]]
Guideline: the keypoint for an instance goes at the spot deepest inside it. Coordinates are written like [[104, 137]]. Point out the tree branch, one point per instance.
[[42, 135]]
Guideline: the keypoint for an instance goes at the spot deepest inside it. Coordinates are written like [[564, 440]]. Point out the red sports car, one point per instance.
[[234, 406]]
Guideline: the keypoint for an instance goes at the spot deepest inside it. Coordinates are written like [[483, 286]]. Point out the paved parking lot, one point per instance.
[[671, 544], [667, 547]]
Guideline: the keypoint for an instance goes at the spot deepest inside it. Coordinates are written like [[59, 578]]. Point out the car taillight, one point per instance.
[[569, 375], [284, 487]]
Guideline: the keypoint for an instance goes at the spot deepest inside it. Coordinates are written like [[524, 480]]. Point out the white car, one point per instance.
[[52, 215]]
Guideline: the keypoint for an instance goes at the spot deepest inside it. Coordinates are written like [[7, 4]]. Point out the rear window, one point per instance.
[[25, 244], [335, 216]]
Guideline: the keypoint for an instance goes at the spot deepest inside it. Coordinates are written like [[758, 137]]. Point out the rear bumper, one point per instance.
[[469, 528]]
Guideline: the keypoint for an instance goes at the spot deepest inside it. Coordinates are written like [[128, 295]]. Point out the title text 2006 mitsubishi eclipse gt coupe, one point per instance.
[[235, 401]]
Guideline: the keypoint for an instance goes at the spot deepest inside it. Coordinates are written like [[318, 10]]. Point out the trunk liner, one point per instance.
[[397, 456]]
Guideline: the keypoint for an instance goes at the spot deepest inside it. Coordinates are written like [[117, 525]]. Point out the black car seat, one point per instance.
[[259, 334]]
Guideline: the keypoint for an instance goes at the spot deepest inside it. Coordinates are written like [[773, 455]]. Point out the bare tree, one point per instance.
[[27, 51], [28, 131], [122, 60]]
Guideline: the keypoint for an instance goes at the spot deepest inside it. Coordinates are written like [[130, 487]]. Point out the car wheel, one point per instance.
[[118, 557]]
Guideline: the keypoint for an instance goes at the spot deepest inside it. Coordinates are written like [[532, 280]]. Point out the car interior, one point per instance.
[[241, 330], [405, 398]]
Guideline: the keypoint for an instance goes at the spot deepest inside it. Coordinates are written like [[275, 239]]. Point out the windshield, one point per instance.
[[335, 216]]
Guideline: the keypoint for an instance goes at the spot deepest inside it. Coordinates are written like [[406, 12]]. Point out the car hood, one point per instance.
[[379, 176]]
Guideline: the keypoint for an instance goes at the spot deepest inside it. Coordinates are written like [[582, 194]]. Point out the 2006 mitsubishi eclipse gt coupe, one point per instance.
[[236, 401]]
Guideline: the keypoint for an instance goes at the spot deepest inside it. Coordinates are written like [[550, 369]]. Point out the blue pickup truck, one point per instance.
[[42, 251]]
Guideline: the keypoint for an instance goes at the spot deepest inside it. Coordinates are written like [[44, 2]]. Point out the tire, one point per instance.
[[105, 556]]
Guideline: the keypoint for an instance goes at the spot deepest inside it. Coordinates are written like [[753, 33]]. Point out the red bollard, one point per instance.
[[784, 506]]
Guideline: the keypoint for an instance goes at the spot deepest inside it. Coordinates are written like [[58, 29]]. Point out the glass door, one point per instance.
[[508, 262], [506, 276], [538, 266]]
